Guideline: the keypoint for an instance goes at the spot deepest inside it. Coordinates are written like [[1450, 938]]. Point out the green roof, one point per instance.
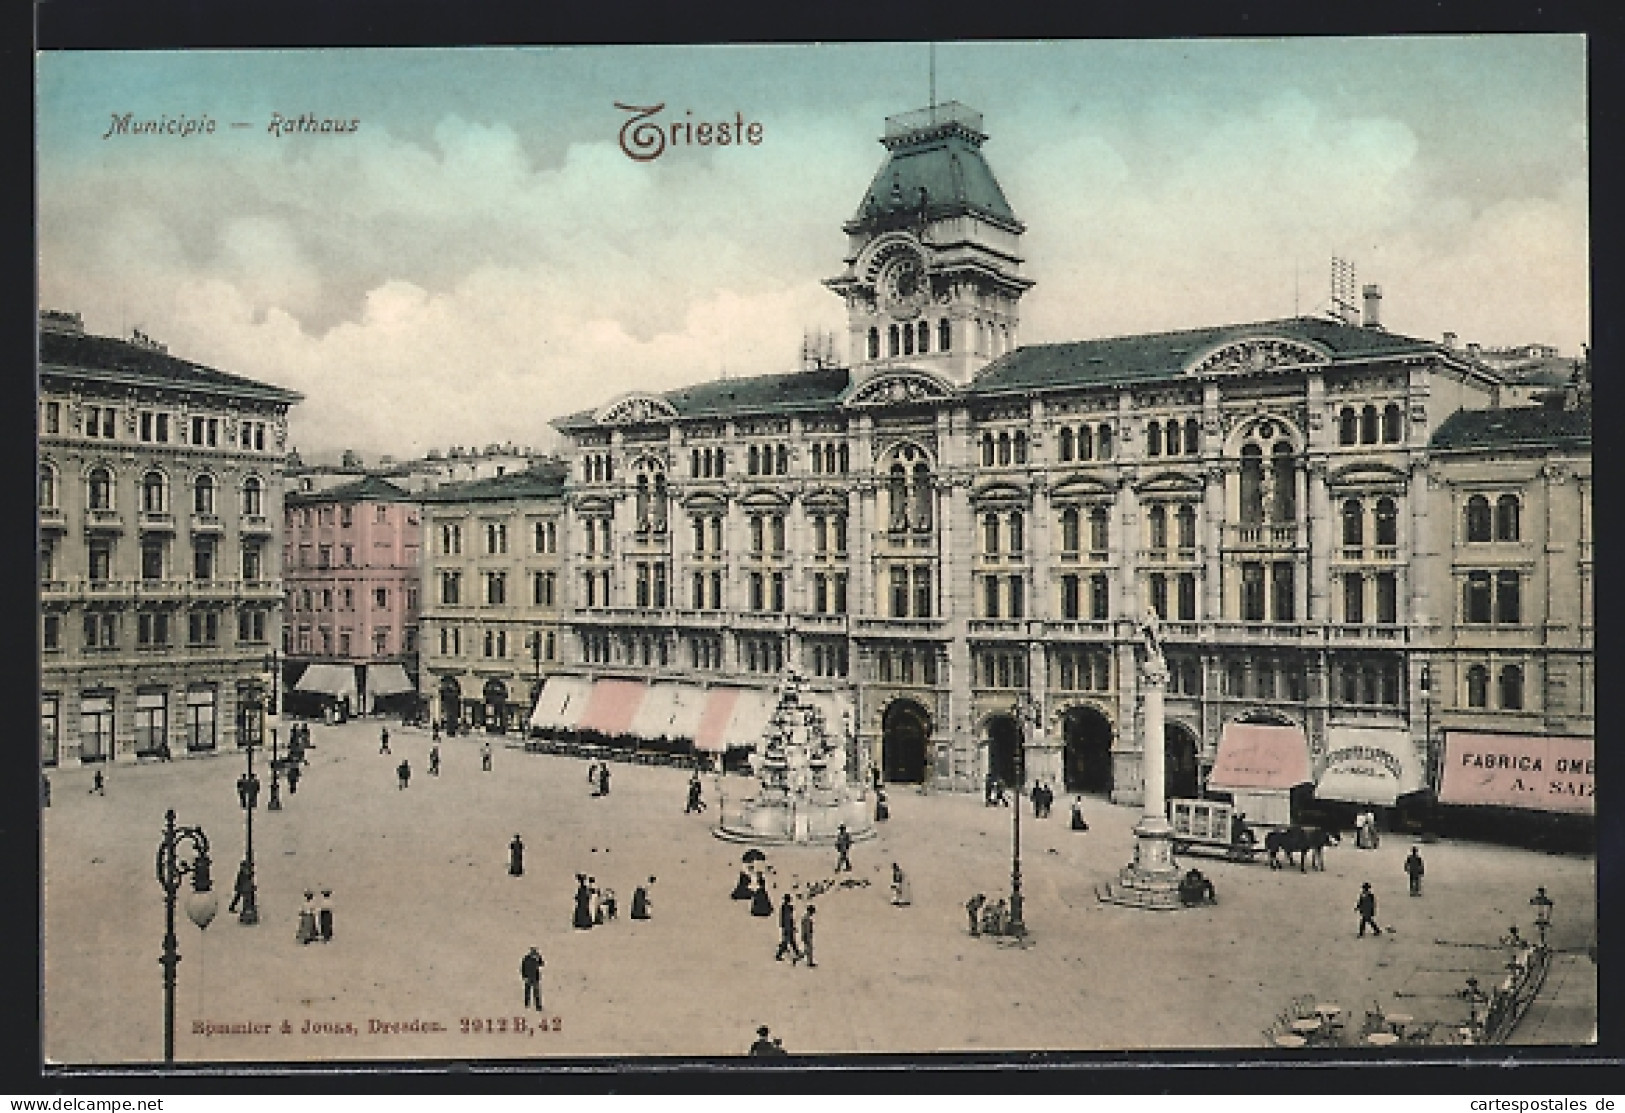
[[1164, 355], [542, 481], [795, 392], [369, 488], [1513, 427], [123, 363], [938, 151]]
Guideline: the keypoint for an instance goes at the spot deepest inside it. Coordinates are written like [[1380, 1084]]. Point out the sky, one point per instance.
[[480, 255]]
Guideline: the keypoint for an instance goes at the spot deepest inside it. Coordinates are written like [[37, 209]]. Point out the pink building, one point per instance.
[[351, 555]]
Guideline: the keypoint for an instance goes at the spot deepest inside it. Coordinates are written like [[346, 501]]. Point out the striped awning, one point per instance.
[[612, 706], [561, 703], [669, 711]]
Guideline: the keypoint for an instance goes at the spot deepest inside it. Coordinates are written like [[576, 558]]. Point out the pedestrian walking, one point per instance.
[[608, 902], [760, 903], [640, 901], [603, 779], [403, 772], [973, 909], [434, 761], [843, 849], [324, 916], [516, 857], [530, 969], [787, 932], [307, 919], [242, 790], [741, 887], [293, 779], [882, 808], [242, 886], [582, 920], [1414, 868], [1366, 906], [695, 803], [383, 740], [987, 790], [900, 890], [596, 899], [434, 731], [98, 784], [1078, 823], [1037, 795], [807, 935], [485, 756]]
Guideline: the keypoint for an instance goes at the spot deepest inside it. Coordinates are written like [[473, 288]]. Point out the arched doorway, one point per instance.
[[496, 706], [905, 730], [451, 701], [1087, 751], [1004, 750], [1180, 776]]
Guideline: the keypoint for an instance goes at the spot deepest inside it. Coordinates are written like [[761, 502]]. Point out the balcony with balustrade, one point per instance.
[[1262, 537]]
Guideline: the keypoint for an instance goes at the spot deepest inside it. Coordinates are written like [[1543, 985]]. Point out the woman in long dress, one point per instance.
[[640, 901], [899, 886], [760, 903], [583, 913], [1078, 823], [742, 887], [307, 919]]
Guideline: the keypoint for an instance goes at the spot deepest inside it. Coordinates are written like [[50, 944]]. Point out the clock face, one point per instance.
[[903, 286]]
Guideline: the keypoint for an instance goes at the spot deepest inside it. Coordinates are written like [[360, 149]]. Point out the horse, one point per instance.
[[1308, 843]]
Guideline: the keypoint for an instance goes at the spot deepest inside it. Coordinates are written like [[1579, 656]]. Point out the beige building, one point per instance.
[[491, 595], [957, 525], [160, 510]]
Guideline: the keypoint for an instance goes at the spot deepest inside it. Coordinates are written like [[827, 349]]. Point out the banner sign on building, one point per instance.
[[1519, 771]]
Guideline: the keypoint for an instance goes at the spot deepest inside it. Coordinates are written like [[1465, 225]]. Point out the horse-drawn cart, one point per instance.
[[1209, 826]]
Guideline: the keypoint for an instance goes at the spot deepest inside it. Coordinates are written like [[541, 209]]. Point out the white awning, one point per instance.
[[331, 680], [670, 711], [751, 711], [1369, 765], [387, 680], [561, 703]]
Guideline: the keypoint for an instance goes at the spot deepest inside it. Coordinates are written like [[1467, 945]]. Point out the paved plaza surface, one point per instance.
[[430, 928]]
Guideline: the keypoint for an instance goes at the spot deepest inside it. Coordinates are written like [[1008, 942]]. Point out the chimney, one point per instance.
[[1373, 305], [1450, 340]]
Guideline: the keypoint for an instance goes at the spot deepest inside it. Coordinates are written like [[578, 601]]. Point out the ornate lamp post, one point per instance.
[[275, 802], [1543, 913], [253, 708], [1029, 717], [201, 905]]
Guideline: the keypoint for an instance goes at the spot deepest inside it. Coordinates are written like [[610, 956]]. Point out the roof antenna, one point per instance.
[[933, 47]]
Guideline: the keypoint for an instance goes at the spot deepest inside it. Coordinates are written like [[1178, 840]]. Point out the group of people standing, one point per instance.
[[316, 920], [1043, 797], [598, 777], [986, 918], [596, 905]]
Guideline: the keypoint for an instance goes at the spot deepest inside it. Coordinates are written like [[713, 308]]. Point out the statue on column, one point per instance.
[[1151, 643], [1266, 486]]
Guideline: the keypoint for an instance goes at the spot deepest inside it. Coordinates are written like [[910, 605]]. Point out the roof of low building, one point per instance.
[[126, 363], [1515, 427], [369, 488], [545, 480]]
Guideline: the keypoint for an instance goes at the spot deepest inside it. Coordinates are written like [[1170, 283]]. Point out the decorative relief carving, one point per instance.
[[636, 410], [1556, 472], [897, 388], [762, 427], [1245, 357]]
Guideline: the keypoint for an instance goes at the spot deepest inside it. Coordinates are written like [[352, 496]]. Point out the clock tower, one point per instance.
[[933, 265]]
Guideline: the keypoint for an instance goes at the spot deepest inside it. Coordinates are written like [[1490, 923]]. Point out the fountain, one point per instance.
[[804, 794]]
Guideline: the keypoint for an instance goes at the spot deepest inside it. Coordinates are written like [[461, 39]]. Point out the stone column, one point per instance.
[[1151, 880]]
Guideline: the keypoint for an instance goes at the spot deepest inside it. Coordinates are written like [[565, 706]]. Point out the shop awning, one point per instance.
[[1255, 756], [669, 711], [1549, 773], [387, 680], [330, 680], [1369, 765], [561, 703], [733, 717], [612, 706]]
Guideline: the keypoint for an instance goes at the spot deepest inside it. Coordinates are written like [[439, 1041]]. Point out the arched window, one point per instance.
[[642, 506], [100, 483], [1099, 534], [922, 496], [203, 495], [987, 450], [1348, 426], [1021, 447], [923, 340], [1393, 426], [1387, 521], [1193, 437], [1103, 442], [1086, 443], [1353, 523], [755, 461], [1018, 532], [1065, 448], [874, 343], [47, 487], [659, 514], [990, 533], [1004, 449], [782, 459], [1171, 436], [1368, 425], [1153, 439], [1506, 518], [1069, 530], [1158, 520], [1252, 484], [897, 498], [1286, 488], [894, 343], [152, 493], [1187, 527], [945, 336], [908, 340], [1511, 688], [1478, 686], [1478, 518]]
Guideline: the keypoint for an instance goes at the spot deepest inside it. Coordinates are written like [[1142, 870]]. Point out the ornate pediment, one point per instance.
[[1080, 488], [1000, 492], [1170, 483], [635, 409], [826, 499], [1366, 475], [594, 506], [1258, 353], [763, 498], [898, 388], [706, 500]]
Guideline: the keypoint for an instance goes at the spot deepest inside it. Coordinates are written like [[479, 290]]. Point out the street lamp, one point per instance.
[[253, 708], [1543, 912], [1027, 716], [274, 804], [201, 905]]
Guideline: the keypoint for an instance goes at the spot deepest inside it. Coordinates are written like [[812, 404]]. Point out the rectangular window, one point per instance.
[[203, 560], [1099, 597], [660, 585], [1281, 584], [990, 596], [899, 592], [51, 637], [840, 593], [1387, 598], [778, 591], [1070, 597], [756, 591], [1507, 604], [1187, 597], [840, 534], [922, 592], [101, 560], [252, 561], [820, 593], [1353, 597], [451, 588], [1476, 603], [1159, 595], [1018, 597], [53, 424], [642, 587], [496, 588], [1252, 592], [380, 597], [152, 560], [324, 556], [699, 591], [380, 642]]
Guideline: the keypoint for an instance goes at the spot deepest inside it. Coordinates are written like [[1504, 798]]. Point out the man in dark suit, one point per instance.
[[530, 969], [1366, 906], [787, 932]]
